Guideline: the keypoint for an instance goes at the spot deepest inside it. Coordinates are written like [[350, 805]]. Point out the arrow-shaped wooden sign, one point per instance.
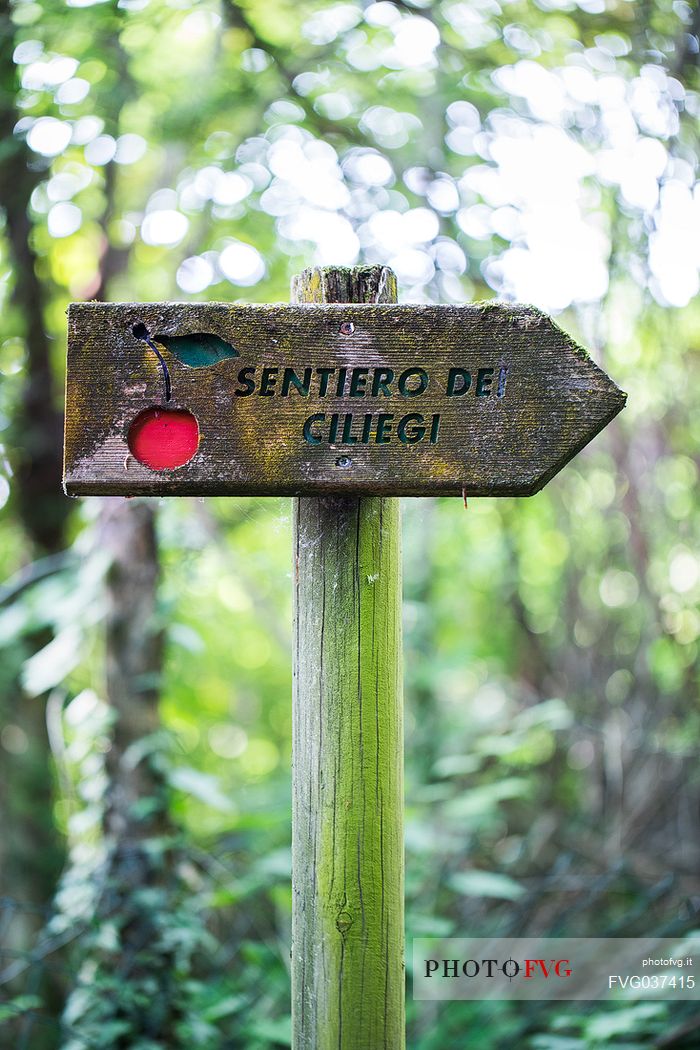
[[218, 399]]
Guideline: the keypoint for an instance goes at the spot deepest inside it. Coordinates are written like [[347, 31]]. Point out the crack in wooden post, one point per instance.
[[347, 838]]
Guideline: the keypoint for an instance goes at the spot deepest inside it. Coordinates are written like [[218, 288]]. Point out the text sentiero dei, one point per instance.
[[352, 428]]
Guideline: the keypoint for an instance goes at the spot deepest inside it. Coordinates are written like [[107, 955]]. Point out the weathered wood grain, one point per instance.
[[347, 837], [535, 398]]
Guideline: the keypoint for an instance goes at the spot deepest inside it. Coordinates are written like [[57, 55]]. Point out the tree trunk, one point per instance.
[[37, 431], [140, 887], [133, 665], [31, 849]]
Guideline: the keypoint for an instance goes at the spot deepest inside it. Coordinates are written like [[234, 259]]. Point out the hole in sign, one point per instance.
[[163, 438]]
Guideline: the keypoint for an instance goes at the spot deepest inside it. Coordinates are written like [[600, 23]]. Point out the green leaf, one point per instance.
[[79, 1004], [21, 1005], [278, 863], [429, 925], [456, 765], [278, 1032], [486, 884], [53, 663], [630, 1021], [231, 1004], [556, 1042], [483, 799], [201, 785]]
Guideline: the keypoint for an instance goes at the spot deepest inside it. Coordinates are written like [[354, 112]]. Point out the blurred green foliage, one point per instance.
[[209, 150]]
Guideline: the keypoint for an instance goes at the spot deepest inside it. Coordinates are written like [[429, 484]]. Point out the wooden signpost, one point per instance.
[[216, 399], [345, 400]]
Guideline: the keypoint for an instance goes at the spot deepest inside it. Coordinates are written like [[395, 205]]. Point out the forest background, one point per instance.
[[170, 149]]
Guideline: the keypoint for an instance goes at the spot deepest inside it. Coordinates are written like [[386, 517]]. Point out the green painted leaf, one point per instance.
[[198, 350]]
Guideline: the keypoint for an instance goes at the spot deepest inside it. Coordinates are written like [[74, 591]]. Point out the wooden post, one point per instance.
[[347, 838]]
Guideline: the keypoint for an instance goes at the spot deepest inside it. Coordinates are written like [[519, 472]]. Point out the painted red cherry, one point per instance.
[[164, 438]]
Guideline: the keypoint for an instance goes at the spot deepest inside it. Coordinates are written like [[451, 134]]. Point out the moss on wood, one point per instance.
[[347, 939]]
